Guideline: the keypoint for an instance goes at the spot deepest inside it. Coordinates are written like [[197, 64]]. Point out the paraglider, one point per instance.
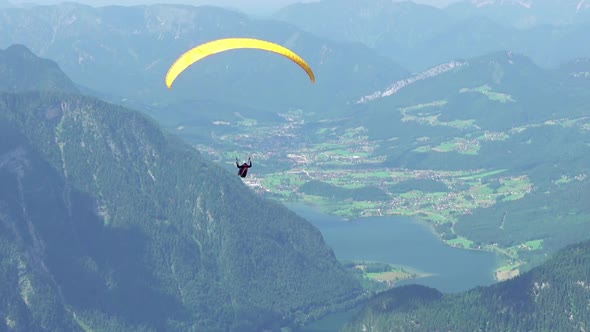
[[204, 50], [213, 47], [243, 169]]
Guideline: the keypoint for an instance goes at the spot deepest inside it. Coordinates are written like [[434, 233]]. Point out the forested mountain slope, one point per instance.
[[107, 223], [552, 297]]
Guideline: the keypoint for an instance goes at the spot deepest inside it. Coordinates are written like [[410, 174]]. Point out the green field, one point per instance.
[[378, 276], [486, 90], [461, 242], [436, 103], [534, 245], [432, 118], [459, 145]]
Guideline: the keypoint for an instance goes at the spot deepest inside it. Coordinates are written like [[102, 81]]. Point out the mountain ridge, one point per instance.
[[19, 65], [407, 33], [111, 50]]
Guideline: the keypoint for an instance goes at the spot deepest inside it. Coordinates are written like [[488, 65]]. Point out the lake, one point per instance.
[[403, 241]]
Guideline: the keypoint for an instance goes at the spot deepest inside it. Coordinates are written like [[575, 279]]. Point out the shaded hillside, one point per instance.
[[31, 216], [21, 70], [551, 297], [108, 223]]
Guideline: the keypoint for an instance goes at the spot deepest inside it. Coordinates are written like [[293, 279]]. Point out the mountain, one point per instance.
[[526, 13], [510, 81], [109, 223], [498, 92], [420, 36], [579, 69], [23, 71], [374, 23], [123, 54], [496, 112], [394, 29], [551, 297]]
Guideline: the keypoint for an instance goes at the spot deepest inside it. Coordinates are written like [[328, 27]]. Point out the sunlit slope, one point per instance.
[[108, 223], [502, 97], [551, 297]]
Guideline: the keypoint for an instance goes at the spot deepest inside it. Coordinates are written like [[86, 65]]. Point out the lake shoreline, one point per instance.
[[399, 241], [403, 241], [498, 274]]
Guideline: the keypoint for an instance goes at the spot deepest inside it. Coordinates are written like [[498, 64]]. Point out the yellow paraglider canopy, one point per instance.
[[204, 50]]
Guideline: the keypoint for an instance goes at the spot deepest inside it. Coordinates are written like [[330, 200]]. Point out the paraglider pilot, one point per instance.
[[243, 169]]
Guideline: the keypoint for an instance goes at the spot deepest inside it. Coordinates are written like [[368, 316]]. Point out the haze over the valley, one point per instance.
[[257, 6]]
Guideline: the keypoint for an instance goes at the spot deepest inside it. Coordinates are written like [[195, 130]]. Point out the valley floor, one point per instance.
[[351, 182]]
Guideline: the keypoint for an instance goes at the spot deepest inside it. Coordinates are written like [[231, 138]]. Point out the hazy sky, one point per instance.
[[243, 5]]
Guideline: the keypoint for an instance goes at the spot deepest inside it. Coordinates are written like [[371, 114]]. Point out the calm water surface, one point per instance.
[[403, 241]]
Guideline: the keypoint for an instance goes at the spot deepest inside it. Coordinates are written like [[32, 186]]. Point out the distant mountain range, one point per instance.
[[419, 36], [524, 14], [569, 5], [122, 54], [108, 223], [109, 50]]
